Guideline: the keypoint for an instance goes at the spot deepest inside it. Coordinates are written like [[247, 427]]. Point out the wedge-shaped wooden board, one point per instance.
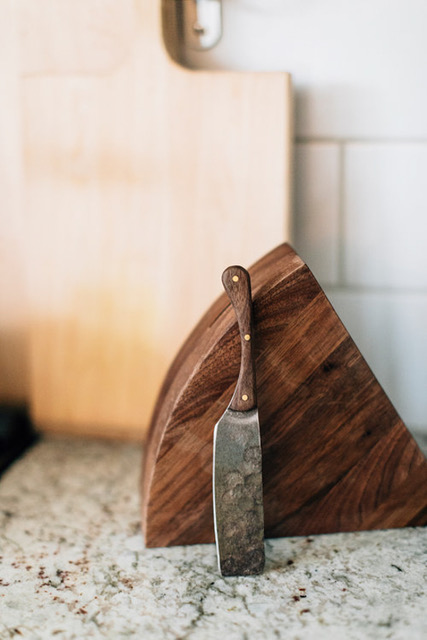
[[336, 455]]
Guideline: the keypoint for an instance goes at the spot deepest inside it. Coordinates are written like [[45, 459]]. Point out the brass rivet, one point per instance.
[[244, 397], [247, 337], [235, 278]]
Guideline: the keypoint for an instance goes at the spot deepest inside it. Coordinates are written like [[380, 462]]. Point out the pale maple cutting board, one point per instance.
[[13, 302], [142, 182]]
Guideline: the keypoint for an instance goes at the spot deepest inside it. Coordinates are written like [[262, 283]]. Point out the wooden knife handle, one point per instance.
[[237, 283]]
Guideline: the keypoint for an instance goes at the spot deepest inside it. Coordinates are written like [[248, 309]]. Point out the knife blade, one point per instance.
[[237, 460]]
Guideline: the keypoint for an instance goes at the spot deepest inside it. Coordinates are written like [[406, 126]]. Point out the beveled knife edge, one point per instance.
[[237, 462]]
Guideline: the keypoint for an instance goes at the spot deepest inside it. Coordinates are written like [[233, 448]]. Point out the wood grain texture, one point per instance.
[[336, 455], [237, 285], [143, 180]]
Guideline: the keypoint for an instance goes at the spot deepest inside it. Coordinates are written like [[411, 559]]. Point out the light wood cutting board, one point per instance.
[[142, 181]]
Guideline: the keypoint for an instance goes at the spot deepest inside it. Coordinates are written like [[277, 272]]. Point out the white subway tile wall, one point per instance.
[[316, 227], [360, 199], [385, 215]]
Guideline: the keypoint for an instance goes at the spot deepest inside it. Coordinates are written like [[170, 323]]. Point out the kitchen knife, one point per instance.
[[237, 472]]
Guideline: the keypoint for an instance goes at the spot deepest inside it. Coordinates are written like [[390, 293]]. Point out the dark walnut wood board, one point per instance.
[[336, 455]]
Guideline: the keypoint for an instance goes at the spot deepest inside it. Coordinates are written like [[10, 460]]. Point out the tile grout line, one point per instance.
[[355, 140], [292, 225], [341, 215], [374, 290]]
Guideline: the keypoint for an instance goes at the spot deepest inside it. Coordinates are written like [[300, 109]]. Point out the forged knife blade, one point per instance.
[[237, 464]]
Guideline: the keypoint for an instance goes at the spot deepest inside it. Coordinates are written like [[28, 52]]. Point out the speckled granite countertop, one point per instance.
[[73, 565]]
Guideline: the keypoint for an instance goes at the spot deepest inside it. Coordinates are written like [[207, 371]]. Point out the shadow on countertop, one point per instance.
[[16, 434]]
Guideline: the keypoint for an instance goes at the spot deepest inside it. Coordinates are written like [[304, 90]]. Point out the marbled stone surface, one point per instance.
[[73, 565]]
